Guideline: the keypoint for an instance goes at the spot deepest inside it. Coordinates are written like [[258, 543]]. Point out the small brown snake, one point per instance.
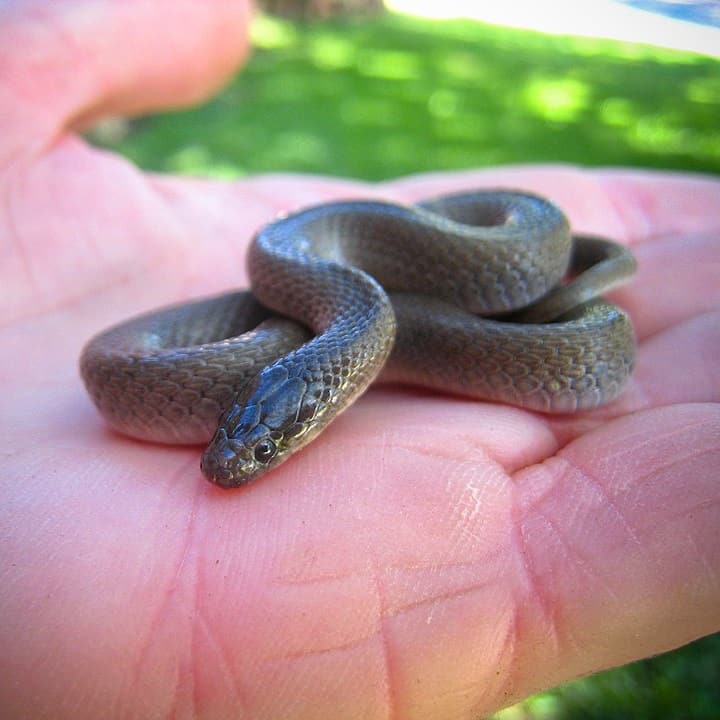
[[372, 286]]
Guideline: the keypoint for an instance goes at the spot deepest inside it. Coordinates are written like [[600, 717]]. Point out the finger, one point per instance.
[[678, 278], [125, 58], [680, 364], [627, 205], [677, 365], [655, 204], [674, 301], [619, 544]]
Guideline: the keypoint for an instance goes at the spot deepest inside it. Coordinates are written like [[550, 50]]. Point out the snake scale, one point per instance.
[[372, 286]]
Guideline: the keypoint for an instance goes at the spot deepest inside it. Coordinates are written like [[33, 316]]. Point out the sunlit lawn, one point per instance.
[[383, 97], [378, 98]]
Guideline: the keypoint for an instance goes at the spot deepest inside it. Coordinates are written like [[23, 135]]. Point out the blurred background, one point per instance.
[[371, 89], [368, 90]]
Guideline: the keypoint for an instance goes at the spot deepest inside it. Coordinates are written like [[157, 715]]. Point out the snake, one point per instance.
[[484, 294]]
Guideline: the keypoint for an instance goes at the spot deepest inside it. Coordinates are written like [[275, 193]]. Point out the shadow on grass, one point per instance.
[[383, 97]]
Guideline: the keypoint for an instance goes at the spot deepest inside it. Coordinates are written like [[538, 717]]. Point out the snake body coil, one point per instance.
[[552, 346]]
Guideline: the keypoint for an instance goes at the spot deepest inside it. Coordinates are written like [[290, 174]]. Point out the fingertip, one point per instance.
[[167, 54], [67, 64]]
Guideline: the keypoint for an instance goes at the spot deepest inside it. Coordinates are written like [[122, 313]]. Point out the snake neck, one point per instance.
[[295, 398]]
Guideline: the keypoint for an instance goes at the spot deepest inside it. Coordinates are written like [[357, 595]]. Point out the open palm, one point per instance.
[[428, 556]]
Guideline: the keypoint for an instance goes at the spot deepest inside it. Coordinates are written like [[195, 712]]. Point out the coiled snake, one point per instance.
[[372, 285]]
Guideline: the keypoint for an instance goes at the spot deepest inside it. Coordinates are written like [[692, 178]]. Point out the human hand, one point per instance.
[[428, 556]]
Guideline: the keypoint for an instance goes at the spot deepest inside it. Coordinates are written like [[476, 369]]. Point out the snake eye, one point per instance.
[[265, 451]]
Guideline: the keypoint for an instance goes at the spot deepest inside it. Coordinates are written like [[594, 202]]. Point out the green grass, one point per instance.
[[680, 685], [384, 97]]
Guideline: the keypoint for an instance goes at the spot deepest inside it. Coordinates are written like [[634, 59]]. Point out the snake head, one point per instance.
[[271, 419], [230, 462]]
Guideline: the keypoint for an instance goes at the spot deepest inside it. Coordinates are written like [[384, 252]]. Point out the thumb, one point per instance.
[[123, 58]]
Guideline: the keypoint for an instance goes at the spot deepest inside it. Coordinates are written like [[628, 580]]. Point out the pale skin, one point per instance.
[[428, 556]]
